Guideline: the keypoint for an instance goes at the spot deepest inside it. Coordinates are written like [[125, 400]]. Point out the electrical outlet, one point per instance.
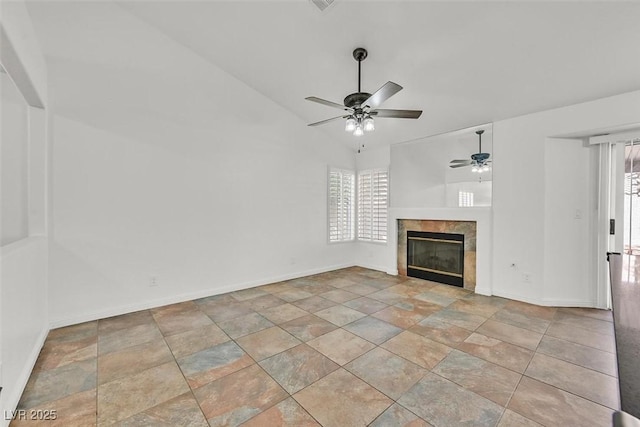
[[153, 281], [526, 277]]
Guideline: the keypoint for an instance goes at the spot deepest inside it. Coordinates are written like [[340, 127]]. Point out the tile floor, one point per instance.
[[352, 347]]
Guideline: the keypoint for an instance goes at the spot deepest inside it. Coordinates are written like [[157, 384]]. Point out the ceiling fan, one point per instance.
[[361, 107], [479, 161]]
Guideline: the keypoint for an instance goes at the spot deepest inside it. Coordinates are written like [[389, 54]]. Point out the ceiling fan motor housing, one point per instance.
[[355, 100], [480, 157]]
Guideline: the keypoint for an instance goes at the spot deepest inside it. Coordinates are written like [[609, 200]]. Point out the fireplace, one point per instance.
[[440, 228], [436, 256]]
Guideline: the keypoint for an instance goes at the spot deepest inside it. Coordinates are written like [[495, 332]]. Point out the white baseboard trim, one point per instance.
[[548, 302], [145, 305], [569, 303], [12, 400], [373, 267], [483, 291]]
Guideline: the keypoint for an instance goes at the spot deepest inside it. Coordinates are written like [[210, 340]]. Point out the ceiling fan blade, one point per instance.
[[459, 165], [328, 103], [397, 114], [327, 121], [460, 161], [385, 92]]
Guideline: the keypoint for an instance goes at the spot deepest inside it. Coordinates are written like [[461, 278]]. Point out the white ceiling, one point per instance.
[[463, 63]]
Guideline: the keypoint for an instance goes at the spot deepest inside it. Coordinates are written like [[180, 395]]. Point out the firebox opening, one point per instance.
[[436, 256]]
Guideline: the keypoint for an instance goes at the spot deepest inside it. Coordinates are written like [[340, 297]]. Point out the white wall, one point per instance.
[[23, 308], [569, 209], [529, 206], [369, 254], [174, 169], [14, 162], [23, 263], [432, 154]]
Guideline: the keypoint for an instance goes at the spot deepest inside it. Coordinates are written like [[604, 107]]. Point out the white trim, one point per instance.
[[546, 302], [376, 267], [115, 311], [13, 399], [622, 137]]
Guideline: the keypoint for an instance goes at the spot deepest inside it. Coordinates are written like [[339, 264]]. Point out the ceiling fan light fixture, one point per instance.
[[358, 131], [485, 168], [474, 169], [369, 124], [350, 125]]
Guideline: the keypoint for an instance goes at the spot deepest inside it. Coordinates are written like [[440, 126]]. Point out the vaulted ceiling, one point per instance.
[[462, 63]]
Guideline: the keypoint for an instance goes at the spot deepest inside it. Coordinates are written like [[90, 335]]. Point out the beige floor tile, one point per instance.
[[124, 397], [298, 367], [181, 317], [499, 352], [287, 413], [582, 336], [181, 411], [308, 327], [341, 346], [511, 334], [283, 313], [440, 331], [387, 372], [398, 416], [587, 357], [417, 349], [123, 338], [78, 409], [340, 315], [551, 406], [521, 320], [267, 342], [484, 378], [194, 340], [212, 363], [341, 399], [592, 385], [236, 398], [124, 321], [132, 360], [443, 403], [474, 307], [513, 419]]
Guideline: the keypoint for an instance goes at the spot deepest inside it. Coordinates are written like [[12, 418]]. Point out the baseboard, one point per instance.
[[11, 403], [548, 302], [145, 305], [483, 291], [376, 267], [569, 303]]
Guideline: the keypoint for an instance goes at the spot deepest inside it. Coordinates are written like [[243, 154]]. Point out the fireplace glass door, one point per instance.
[[436, 256]]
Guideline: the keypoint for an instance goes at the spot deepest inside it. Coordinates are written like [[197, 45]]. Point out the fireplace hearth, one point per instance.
[[436, 256]]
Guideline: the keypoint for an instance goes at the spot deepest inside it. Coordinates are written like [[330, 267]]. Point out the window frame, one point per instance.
[[374, 174], [352, 232]]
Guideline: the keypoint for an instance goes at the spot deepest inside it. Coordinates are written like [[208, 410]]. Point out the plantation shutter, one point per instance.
[[373, 198], [341, 205]]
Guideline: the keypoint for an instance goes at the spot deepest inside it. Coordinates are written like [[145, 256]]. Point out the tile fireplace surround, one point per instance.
[[467, 228]]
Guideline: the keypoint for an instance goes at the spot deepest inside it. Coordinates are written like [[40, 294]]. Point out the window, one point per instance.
[[341, 205], [373, 197], [465, 199]]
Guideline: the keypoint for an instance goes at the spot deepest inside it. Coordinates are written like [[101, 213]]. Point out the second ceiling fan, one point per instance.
[[361, 107]]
